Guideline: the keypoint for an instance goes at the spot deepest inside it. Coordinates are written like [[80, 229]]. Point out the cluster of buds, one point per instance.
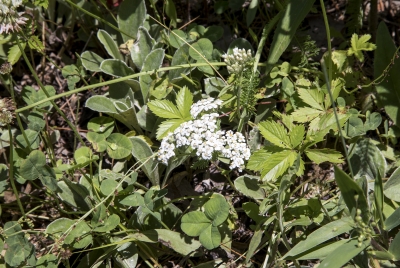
[[238, 60], [203, 137], [7, 108], [10, 18]]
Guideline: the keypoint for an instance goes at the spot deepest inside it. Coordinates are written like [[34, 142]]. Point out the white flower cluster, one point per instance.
[[202, 135], [10, 19], [237, 61], [204, 105]]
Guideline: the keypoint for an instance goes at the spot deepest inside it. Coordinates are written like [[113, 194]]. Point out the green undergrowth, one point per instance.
[[304, 140]]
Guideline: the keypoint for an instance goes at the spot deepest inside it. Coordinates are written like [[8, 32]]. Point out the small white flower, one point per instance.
[[238, 61]]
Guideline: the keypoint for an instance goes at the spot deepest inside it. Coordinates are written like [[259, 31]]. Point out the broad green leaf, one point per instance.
[[194, 223], [164, 109], [343, 254], [83, 155], [109, 224], [34, 43], [394, 247], [102, 125], [109, 44], [127, 256], [366, 159], [131, 15], [295, 12], [142, 47], [358, 45], [305, 114], [177, 38], [322, 234], [80, 236], [213, 85], [248, 185], [254, 243], [101, 104], [391, 188], [324, 155], [213, 33], [170, 10], [251, 12], [277, 164], [311, 96], [31, 167], [180, 57], [320, 252], [253, 211], [74, 195], [19, 252], [178, 242], [373, 121], [32, 137], [168, 126], [352, 194], [210, 238], [203, 47], [354, 127], [133, 200], [152, 61], [118, 146], [216, 209], [116, 68], [47, 261], [184, 100], [389, 89], [109, 186], [145, 156], [275, 133], [296, 135]]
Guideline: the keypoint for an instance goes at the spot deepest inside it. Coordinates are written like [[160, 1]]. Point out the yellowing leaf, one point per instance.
[[358, 45]]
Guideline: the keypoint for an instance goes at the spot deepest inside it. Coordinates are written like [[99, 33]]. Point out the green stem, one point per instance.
[[61, 113], [328, 37], [11, 159]]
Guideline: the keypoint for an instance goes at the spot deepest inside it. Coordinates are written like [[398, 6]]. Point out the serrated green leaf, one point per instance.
[[339, 58], [257, 159], [274, 133], [35, 44], [164, 109], [358, 45], [277, 164], [324, 155], [311, 96], [168, 126], [305, 114], [296, 135], [184, 100], [336, 86], [14, 53]]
